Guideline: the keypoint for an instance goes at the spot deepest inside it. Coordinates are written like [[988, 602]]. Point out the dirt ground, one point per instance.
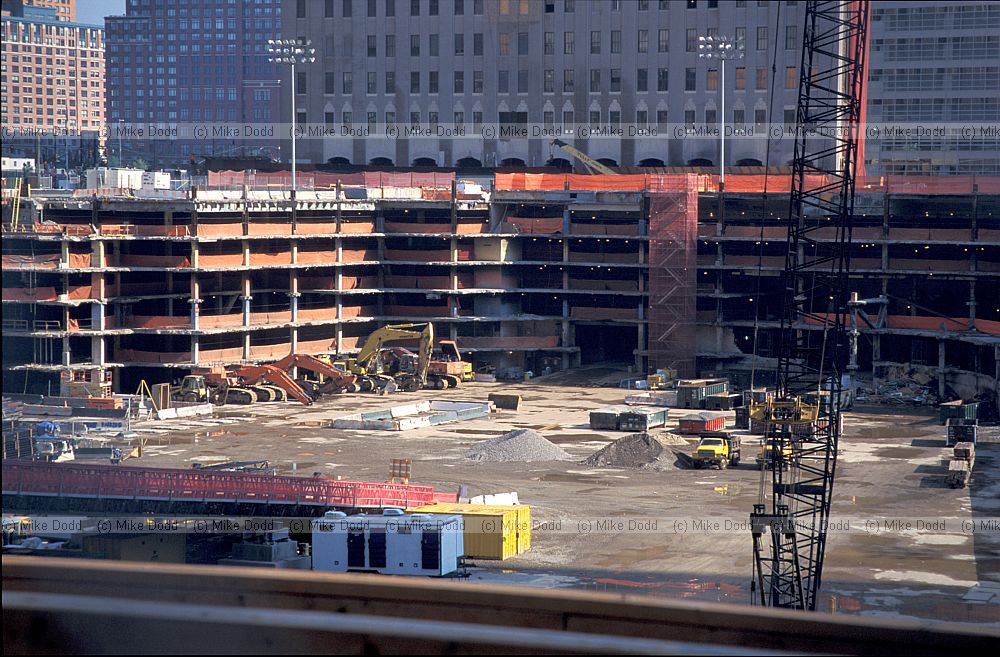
[[661, 533]]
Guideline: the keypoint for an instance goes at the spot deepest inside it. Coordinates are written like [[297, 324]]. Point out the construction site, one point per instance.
[[527, 411]]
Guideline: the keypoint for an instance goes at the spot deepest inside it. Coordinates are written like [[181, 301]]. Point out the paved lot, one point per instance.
[[889, 474]]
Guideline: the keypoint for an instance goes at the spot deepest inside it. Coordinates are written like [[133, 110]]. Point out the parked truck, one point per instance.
[[718, 448]]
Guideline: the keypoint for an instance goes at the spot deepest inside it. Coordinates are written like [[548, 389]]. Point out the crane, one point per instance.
[[589, 163], [789, 533]]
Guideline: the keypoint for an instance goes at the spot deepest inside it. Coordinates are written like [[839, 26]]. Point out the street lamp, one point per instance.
[[291, 51], [721, 48]]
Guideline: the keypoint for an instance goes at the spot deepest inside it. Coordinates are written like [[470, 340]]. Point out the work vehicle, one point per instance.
[[718, 448], [768, 452], [377, 365], [329, 379], [213, 386], [662, 379]]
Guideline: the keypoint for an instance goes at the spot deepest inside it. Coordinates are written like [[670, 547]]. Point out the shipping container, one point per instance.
[[491, 531], [960, 431], [693, 393], [608, 418], [958, 410], [391, 543], [743, 418], [642, 419], [697, 423], [723, 401]]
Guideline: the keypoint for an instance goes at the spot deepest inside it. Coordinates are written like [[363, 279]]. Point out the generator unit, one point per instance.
[[392, 543]]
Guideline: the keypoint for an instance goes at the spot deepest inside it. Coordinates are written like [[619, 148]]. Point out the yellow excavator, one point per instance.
[[376, 366], [590, 164]]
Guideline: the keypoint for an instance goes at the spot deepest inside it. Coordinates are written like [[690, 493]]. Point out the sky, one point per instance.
[[94, 11]]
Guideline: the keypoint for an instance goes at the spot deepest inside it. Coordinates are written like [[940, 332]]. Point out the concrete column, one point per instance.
[[246, 346], [246, 297], [941, 369], [293, 294], [98, 355], [246, 253], [567, 222], [640, 366], [454, 206], [295, 349], [195, 251], [453, 250], [295, 252], [876, 357], [642, 252], [972, 304], [565, 254], [195, 302], [66, 359], [97, 316], [195, 350], [64, 254], [97, 254], [339, 338]]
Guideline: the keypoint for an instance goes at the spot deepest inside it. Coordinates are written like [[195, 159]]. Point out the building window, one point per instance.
[[459, 7], [477, 44], [414, 45], [712, 81], [372, 48], [616, 42], [663, 41], [371, 9], [791, 77], [329, 83], [300, 82], [390, 10], [789, 116], [348, 118], [522, 81], [372, 85], [329, 118], [390, 118], [459, 45], [642, 80], [741, 78], [569, 80], [503, 82], [390, 82], [569, 6], [616, 80], [595, 43], [459, 82], [761, 79], [348, 83], [415, 82], [390, 45], [300, 9], [689, 118], [569, 43], [432, 82], [433, 8], [662, 118], [550, 43], [595, 117], [690, 79], [477, 82], [760, 116], [711, 117], [432, 44], [595, 80], [348, 8], [477, 7], [642, 118], [504, 43], [692, 39], [567, 118], [762, 37], [548, 81], [739, 117], [662, 79], [372, 119], [328, 9], [791, 37], [643, 40], [414, 7], [522, 43], [415, 119]]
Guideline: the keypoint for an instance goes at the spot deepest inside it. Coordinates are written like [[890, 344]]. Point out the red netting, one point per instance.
[[673, 234]]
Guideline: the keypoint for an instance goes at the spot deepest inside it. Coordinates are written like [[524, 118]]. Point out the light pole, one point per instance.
[[291, 51], [121, 122], [721, 48]]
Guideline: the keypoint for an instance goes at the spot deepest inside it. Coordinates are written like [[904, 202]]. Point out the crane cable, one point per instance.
[[760, 242]]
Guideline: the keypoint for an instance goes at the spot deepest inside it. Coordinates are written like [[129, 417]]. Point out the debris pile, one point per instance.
[[641, 450], [521, 445], [900, 386]]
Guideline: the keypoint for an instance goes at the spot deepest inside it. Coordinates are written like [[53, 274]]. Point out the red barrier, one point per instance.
[[118, 482]]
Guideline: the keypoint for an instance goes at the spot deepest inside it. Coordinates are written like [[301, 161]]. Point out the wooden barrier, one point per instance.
[[217, 594]]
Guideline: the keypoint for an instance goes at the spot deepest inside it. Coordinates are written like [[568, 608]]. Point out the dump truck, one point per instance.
[[767, 454], [718, 448]]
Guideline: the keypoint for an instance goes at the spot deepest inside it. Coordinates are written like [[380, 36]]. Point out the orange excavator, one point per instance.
[[334, 380], [252, 375]]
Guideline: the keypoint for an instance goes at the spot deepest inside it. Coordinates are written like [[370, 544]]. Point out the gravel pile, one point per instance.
[[661, 452], [521, 445]]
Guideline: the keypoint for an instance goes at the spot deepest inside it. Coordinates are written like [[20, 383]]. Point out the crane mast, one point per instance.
[[789, 526]]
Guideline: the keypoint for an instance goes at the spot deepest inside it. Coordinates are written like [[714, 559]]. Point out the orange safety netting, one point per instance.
[[537, 225], [157, 322], [316, 228], [77, 292], [220, 259], [269, 228], [417, 256], [319, 314], [79, 260], [228, 355], [139, 356], [219, 230], [29, 294], [582, 312], [220, 321], [357, 227], [36, 261], [131, 259], [513, 342], [277, 317], [953, 324]]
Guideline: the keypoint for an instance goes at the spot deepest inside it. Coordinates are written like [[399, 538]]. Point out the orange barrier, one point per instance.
[[408, 255], [220, 259], [417, 311], [929, 234], [404, 227], [324, 346], [357, 227], [30, 261], [138, 356], [537, 225], [316, 228], [220, 321], [29, 294], [131, 259], [316, 257], [350, 312], [351, 255], [321, 314], [279, 258], [79, 260], [279, 317], [580, 312], [158, 322], [471, 228], [516, 342], [269, 228], [923, 323], [309, 283], [227, 355], [270, 350], [598, 285], [219, 230], [989, 235]]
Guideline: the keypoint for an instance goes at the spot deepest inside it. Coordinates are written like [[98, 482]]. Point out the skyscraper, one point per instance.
[[191, 61]]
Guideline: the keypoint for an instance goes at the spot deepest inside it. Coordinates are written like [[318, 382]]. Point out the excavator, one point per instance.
[[589, 164], [332, 379], [376, 366]]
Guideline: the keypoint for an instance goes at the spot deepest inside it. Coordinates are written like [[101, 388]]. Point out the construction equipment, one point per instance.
[[331, 379], [662, 379], [254, 375], [376, 366], [718, 448], [589, 163], [214, 386], [789, 534], [774, 454]]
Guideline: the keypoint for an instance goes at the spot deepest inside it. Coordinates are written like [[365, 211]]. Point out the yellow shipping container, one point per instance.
[[491, 531]]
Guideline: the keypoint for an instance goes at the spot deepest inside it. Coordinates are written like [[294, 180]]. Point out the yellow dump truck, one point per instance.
[[718, 448]]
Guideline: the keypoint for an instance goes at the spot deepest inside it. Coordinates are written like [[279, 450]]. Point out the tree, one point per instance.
[[140, 163]]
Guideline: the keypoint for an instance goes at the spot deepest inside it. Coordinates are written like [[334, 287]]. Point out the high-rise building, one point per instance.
[[935, 64], [65, 9], [192, 61], [53, 87], [551, 63]]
